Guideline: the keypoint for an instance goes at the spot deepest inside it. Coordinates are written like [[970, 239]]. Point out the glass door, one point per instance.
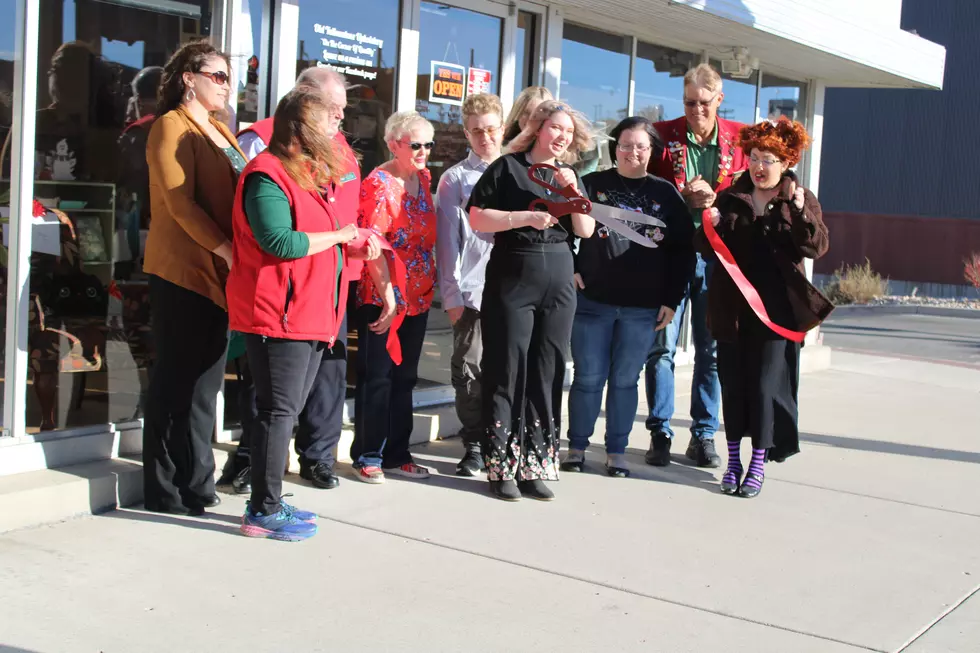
[[459, 54]]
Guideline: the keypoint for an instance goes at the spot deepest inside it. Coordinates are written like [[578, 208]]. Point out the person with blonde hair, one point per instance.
[[463, 255], [768, 223], [701, 158], [528, 299], [523, 107], [396, 205], [286, 292]]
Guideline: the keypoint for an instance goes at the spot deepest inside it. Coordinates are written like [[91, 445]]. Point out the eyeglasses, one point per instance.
[[480, 133], [418, 146], [220, 77], [766, 163], [632, 148], [704, 104]]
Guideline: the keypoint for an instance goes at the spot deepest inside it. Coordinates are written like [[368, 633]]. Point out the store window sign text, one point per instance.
[[448, 84], [349, 52]]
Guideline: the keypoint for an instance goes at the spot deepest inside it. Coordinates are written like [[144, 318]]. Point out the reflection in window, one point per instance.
[[359, 38], [659, 76], [595, 80], [740, 95], [462, 40], [246, 50], [782, 97], [527, 31], [89, 324]]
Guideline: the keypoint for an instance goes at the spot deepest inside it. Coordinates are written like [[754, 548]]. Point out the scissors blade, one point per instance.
[[626, 216], [613, 219]]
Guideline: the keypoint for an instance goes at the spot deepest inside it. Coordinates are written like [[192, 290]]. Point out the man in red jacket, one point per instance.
[[321, 421], [701, 157]]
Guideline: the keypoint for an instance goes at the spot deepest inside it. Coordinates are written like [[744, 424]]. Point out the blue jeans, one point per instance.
[[608, 342], [705, 389]]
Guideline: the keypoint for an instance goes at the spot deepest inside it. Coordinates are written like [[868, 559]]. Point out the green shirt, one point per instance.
[[702, 160]]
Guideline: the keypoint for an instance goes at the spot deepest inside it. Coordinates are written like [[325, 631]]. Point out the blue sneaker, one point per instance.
[[302, 515], [282, 526]]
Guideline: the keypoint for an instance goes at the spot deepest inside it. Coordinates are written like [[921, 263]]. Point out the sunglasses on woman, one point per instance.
[[220, 77], [418, 146]]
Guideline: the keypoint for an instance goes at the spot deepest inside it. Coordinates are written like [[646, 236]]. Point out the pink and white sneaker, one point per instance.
[[408, 470], [370, 474]]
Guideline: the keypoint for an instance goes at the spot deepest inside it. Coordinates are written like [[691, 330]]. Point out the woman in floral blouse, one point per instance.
[[396, 204]]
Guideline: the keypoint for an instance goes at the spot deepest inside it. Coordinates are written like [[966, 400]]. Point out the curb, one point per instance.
[[900, 309]]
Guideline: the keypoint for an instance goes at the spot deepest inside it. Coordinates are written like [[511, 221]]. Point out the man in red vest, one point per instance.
[[701, 157], [321, 421]]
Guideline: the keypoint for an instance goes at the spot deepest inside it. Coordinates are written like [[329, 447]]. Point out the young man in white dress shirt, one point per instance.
[[463, 256]]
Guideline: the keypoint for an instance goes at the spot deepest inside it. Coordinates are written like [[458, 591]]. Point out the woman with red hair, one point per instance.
[[759, 310]]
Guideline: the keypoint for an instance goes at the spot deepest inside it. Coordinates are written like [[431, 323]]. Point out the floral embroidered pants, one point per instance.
[[527, 312]]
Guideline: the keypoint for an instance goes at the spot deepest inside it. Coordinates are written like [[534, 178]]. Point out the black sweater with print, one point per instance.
[[620, 272]]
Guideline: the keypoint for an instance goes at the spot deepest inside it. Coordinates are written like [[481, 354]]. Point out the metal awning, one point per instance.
[[798, 40]]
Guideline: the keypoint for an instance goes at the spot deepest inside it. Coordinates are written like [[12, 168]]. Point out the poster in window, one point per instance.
[[447, 84], [478, 81]]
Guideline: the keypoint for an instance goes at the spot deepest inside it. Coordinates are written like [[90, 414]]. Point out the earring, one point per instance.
[[189, 95]]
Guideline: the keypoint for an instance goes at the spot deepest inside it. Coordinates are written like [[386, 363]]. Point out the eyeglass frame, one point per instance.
[[416, 146], [489, 131], [703, 104], [213, 74], [766, 163]]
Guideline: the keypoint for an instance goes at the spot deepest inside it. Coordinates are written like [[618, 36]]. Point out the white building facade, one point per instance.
[[76, 322]]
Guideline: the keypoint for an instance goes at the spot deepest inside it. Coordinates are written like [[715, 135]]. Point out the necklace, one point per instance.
[[633, 192]]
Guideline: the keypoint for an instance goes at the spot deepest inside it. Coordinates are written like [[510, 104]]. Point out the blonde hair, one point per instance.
[[582, 141], [403, 122], [512, 126], [703, 76], [480, 104]]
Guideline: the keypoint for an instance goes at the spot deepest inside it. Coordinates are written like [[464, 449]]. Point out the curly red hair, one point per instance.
[[784, 138]]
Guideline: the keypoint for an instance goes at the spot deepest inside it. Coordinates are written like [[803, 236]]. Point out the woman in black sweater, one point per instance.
[[626, 292]]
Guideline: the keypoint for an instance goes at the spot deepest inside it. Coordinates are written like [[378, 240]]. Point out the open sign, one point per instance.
[[448, 83]]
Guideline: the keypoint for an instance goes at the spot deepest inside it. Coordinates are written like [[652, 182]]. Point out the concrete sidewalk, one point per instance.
[[860, 543]]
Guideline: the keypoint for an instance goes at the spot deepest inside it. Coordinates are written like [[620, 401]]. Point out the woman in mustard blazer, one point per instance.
[[194, 163]]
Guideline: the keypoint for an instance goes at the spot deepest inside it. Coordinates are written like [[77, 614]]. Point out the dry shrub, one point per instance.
[[856, 284], [971, 269]]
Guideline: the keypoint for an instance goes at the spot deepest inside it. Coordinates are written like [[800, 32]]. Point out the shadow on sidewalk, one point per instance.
[[860, 444], [210, 521]]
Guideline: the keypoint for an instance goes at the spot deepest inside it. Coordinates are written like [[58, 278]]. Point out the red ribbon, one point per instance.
[[744, 285], [398, 276]]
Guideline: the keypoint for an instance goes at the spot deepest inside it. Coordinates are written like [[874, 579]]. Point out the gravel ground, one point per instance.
[[911, 300]]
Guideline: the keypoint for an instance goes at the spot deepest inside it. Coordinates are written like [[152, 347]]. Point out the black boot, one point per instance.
[[659, 453], [506, 490], [536, 489]]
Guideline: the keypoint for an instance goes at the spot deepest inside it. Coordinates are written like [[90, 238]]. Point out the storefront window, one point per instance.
[[740, 95], [595, 77], [359, 38], [9, 9], [89, 325], [527, 35], [659, 77], [782, 97], [246, 63], [459, 53]]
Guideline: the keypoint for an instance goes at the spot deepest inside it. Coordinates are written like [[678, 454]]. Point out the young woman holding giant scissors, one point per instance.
[[534, 202]]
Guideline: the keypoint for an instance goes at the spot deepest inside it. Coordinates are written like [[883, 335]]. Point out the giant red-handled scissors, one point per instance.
[[615, 219]]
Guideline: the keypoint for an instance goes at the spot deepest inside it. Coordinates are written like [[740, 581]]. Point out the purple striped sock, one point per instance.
[[734, 472], [757, 467]]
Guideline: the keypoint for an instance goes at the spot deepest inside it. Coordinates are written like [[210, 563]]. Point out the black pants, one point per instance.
[[527, 312], [466, 375], [190, 334], [759, 375], [283, 373], [383, 397], [322, 420]]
